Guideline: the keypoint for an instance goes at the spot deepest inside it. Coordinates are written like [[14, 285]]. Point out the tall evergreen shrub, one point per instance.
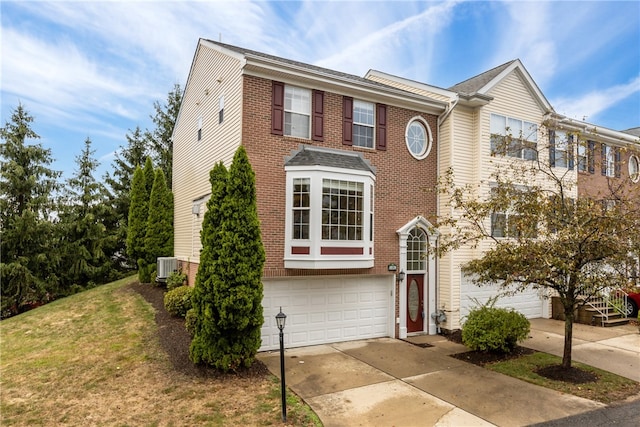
[[205, 324], [137, 226], [159, 233], [237, 272]]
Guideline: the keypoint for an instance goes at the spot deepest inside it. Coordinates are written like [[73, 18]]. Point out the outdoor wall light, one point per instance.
[[281, 318], [401, 276]]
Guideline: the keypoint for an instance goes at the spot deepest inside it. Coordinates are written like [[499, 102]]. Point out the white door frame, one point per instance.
[[430, 278]]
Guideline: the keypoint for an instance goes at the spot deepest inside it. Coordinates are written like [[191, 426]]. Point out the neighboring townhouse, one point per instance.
[[502, 101], [342, 166]]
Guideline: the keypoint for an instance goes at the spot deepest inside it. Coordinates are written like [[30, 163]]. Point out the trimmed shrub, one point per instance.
[[190, 321], [178, 301], [494, 329], [176, 279]]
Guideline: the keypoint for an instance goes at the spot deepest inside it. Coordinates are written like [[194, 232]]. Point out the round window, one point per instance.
[[418, 138], [634, 168]]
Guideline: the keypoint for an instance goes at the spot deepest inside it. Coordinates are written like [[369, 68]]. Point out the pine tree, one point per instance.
[[149, 176], [160, 138], [124, 165], [138, 215], [203, 299], [237, 273], [159, 234], [85, 240], [29, 261]]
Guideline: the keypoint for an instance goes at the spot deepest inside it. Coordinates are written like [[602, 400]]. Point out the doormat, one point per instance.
[[419, 344]]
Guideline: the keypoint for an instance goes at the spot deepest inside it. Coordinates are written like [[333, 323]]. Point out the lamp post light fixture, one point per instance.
[[281, 318]]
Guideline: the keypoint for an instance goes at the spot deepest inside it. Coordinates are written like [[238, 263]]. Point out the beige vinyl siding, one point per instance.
[[193, 159]]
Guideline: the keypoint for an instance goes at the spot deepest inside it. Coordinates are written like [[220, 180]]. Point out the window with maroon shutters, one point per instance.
[[297, 112], [364, 123]]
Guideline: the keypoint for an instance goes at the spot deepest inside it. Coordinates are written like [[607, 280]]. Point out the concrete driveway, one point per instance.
[[392, 382]]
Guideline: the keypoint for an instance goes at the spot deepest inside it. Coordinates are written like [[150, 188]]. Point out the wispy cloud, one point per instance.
[[593, 103]]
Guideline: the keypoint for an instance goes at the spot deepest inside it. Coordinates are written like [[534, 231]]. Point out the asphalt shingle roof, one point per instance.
[[312, 156], [474, 84]]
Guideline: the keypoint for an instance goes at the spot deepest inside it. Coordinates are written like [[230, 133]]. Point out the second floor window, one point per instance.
[[297, 111], [513, 137], [363, 122], [610, 161]]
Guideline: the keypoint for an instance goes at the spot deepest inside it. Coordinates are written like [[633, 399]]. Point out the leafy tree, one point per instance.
[[160, 138], [27, 183], [206, 316], [126, 159], [237, 272], [159, 234], [575, 248], [85, 240], [138, 215]]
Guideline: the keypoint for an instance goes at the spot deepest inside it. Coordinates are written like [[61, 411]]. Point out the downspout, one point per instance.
[[441, 119]]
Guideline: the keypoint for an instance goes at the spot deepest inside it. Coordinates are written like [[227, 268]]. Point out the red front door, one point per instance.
[[415, 303]]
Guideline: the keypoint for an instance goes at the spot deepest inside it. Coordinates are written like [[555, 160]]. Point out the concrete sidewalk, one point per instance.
[[615, 349], [392, 382]]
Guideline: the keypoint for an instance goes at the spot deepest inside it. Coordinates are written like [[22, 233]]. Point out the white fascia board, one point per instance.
[[339, 172], [266, 68], [598, 133], [418, 85], [533, 87]]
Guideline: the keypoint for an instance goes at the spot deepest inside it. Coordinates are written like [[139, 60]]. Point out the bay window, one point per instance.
[[329, 222]]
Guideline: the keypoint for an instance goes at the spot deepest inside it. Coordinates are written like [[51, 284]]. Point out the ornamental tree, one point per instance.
[[551, 240]]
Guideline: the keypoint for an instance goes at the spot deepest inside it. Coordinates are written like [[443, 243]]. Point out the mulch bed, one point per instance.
[[555, 372], [175, 340]]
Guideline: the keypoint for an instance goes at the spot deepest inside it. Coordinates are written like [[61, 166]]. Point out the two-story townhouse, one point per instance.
[[341, 166]]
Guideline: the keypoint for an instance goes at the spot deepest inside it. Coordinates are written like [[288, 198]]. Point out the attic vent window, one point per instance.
[[221, 109], [199, 128]]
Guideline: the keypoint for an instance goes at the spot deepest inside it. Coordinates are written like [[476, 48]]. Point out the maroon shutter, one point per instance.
[[347, 120], [318, 116], [618, 160], [277, 109], [381, 128]]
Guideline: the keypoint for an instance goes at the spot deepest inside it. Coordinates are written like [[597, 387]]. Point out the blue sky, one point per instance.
[[94, 69]]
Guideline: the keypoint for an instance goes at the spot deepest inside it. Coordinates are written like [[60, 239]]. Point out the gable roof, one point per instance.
[[474, 84], [476, 89], [633, 131], [308, 155]]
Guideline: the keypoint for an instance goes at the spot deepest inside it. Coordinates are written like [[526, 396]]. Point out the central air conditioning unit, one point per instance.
[[165, 266]]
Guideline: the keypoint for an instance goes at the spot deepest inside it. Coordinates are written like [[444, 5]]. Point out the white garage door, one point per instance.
[[326, 310], [528, 302]]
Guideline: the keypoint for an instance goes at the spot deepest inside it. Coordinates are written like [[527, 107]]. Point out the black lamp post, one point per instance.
[[280, 320]]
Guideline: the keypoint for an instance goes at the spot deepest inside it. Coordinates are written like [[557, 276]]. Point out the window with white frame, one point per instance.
[[221, 109], [583, 156], [418, 138], [342, 209], [609, 160], [363, 123], [634, 168], [416, 250], [199, 128], [297, 112], [329, 220], [513, 137], [301, 208], [508, 222], [561, 150]]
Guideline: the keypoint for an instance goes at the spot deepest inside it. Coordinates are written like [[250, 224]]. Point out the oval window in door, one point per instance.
[[413, 301]]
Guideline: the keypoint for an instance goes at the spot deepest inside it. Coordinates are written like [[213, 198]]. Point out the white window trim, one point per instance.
[[372, 125], [315, 259], [428, 135], [307, 114], [523, 138], [610, 159], [634, 176]]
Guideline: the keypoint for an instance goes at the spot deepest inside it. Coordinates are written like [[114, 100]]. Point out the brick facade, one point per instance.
[[401, 180]]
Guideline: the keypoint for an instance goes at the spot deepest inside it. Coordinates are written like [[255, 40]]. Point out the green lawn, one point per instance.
[[94, 358]]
